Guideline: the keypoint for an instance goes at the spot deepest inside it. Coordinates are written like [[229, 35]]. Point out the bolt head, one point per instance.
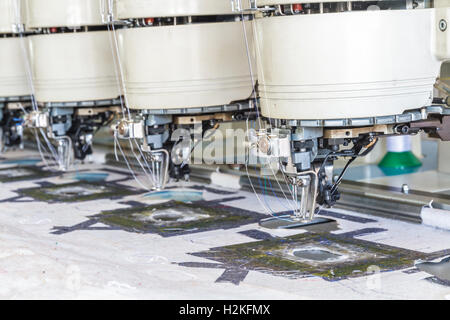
[[122, 128], [443, 25], [405, 188]]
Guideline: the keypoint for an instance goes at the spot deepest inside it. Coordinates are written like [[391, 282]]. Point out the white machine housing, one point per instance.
[[71, 66], [348, 64], [441, 40], [171, 8], [183, 66], [63, 13], [11, 15], [14, 80]]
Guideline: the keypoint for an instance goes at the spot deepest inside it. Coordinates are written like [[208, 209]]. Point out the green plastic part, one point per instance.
[[395, 163]]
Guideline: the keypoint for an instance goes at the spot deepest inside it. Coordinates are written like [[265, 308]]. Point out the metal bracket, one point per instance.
[[441, 127], [19, 28], [127, 129], [38, 120], [107, 10], [236, 6], [407, 116]]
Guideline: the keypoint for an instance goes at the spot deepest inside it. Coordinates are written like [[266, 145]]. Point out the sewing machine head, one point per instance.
[[335, 77], [75, 86], [326, 80], [184, 69]]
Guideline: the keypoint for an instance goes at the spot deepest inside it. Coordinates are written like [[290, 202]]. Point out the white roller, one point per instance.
[[341, 65], [401, 143], [436, 218], [185, 66], [63, 13], [73, 67], [13, 75], [225, 180]]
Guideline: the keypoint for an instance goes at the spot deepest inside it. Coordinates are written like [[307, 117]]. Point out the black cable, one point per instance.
[[341, 176]]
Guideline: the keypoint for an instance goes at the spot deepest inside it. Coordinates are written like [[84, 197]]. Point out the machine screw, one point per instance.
[[405, 189], [403, 129], [122, 128], [443, 25]]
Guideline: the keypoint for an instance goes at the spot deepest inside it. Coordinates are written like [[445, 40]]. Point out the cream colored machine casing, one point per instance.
[[172, 8], [183, 66], [63, 13], [163, 69], [346, 65], [72, 66], [13, 73], [11, 14]]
